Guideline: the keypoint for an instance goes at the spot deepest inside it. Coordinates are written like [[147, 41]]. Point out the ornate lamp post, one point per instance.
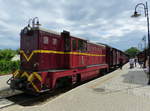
[[136, 14], [145, 58], [140, 46]]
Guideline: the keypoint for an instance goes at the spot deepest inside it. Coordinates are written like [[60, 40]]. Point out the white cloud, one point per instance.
[[102, 21]]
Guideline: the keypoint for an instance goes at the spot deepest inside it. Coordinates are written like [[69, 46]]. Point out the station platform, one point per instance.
[[3, 80], [121, 90]]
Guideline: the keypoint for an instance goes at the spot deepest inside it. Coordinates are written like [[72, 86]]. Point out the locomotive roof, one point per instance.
[[54, 32], [78, 38], [46, 30], [57, 33], [99, 44], [112, 47]]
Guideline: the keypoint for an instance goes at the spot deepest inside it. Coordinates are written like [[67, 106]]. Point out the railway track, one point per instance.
[[6, 93], [24, 99], [9, 98]]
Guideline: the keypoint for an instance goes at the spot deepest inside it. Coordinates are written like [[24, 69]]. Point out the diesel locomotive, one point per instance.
[[50, 59]]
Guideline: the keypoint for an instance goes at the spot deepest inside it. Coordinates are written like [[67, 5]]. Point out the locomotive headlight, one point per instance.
[[29, 28], [35, 64], [20, 85], [25, 31]]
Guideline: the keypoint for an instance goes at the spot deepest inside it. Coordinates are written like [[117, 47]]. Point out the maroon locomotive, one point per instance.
[[50, 59]]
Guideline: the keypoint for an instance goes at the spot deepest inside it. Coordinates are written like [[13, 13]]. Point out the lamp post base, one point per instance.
[[148, 82]]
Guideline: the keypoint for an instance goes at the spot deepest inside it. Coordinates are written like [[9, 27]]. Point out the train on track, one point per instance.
[[50, 59]]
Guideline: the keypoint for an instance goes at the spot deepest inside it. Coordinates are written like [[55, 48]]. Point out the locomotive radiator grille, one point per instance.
[[55, 52]]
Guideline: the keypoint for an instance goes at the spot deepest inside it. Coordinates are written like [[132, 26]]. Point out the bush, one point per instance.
[[7, 54], [8, 66]]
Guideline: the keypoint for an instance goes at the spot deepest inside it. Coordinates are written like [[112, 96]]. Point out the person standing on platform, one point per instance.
[[147, 65], [135, 61], [131, 61]]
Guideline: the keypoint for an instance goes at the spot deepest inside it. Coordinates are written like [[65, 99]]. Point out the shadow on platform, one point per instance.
[[135, 77]]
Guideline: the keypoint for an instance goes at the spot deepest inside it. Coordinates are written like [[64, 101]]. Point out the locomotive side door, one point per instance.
[[111, 57], [67, 48], [74, 49], [82, 48]]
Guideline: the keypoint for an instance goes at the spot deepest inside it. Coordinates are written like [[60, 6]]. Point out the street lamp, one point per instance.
[[136, 14], [140, 46], [144, 40]]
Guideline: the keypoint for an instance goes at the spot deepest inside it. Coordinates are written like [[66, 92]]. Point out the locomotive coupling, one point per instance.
[[18, 83]]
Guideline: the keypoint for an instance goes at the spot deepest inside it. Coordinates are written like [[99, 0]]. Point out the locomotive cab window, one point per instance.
[[82, 45], [54, 41], [74, 45], [45, 40], [67, 44]]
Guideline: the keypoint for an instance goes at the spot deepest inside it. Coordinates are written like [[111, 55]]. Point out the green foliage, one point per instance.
[[18, 51], [7, 54], [6, 65], [132, 51]]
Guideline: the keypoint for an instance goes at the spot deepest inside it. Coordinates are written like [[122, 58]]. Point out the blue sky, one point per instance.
[[105, 21]]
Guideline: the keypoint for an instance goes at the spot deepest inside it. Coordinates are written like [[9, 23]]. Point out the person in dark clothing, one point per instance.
[[120, 63], [135, 61]]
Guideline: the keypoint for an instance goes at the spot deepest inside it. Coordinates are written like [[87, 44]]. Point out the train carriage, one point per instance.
[[113, 57]]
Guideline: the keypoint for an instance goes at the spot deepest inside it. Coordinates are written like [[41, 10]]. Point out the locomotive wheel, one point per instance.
[[102, 72], [63, 82], [78, 78]]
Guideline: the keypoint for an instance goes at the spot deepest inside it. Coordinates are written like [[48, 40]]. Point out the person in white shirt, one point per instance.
[[147, 65], [131, 61]]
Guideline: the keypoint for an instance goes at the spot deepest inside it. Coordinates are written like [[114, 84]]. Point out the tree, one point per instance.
[[132, 51]]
